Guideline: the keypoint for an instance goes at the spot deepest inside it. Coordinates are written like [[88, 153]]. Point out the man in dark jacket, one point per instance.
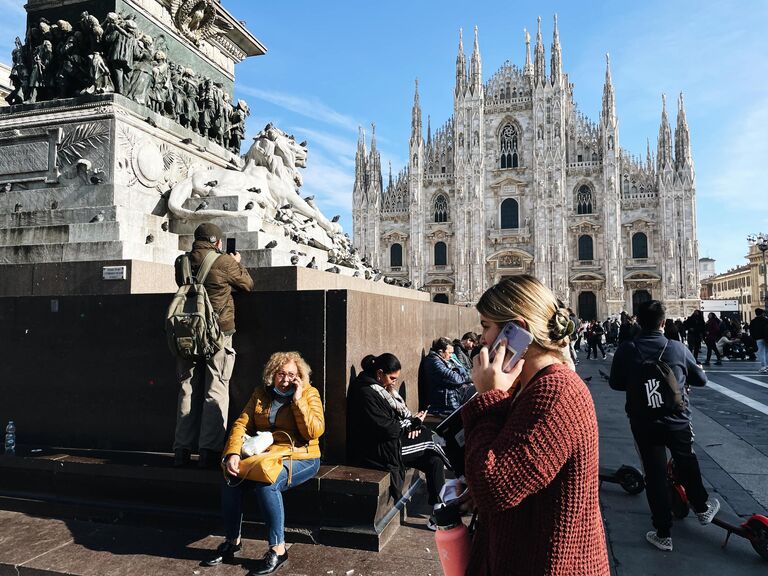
[[673, 431], [694, 326], [462, 349], [204, 384], [758, 329], [448, 388]]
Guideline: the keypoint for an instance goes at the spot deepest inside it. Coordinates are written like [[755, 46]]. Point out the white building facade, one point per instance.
[[518, 181]]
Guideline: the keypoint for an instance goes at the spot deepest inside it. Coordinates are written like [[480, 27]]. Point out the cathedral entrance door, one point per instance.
[[442, 298], [587, 306], [638, 298]]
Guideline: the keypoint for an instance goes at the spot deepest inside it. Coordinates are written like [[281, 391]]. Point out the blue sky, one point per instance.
[[332, 66]]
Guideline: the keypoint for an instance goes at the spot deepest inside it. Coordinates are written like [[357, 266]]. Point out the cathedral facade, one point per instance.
[[518, 181]]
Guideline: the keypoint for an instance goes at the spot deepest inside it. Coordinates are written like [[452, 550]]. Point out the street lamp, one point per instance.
[[761, 241]]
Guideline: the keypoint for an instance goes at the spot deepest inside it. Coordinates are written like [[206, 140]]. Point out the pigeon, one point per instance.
[[603, 374], [225, 206], [249, 206], [150, 121], [271, 245], [98, 218], [407, 284], [587, 379], [17, 208], [301, 253], [201, 149], [356, 274], [334, 269], [294, 260], [261, 229], [97, 179], [378, 277], [7, 187], [367, 275], [309, 198], [212, 183], [202, 206], [263, 205], [254, 190], [308, 220], [150, 239], [335, 218], [54, 205], [312, 264], [164, 226], [187, 141], [292, 252], [285, 207]]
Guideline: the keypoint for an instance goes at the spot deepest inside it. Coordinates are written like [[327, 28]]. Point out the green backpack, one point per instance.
[[191, 323]]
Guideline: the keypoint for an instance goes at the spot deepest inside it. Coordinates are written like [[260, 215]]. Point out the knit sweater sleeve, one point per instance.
[[515, 449]]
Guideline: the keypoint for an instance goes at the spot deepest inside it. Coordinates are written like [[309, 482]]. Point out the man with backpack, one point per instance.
[[200, 324], [655, 373]]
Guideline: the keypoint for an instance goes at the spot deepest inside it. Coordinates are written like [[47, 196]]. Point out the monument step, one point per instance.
[[81, 215], [90, 232], [341, 506], [85, 251], [62, 197]]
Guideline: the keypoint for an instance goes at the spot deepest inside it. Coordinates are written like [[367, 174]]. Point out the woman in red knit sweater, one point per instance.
[[532, 446]]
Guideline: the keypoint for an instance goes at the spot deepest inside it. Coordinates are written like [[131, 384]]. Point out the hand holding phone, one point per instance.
[[516, 341]]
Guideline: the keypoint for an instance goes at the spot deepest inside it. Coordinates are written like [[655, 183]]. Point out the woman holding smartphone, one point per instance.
[[285, 401], [532, 443]]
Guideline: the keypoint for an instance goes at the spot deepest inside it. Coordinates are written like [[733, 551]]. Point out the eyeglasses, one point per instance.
[[286, 375]]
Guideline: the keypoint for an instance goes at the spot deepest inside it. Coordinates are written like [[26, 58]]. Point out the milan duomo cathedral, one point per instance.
[[520, 181]]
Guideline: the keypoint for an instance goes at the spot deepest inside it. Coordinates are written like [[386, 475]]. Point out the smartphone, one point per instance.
[[518, 341], [231, 245]]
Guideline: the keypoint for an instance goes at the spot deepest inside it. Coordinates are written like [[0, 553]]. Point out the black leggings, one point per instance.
[[423, 454], [710, 349], [594, 345]]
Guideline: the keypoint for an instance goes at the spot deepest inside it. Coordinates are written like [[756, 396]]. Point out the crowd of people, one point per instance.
[[530, 432], [724, 336]]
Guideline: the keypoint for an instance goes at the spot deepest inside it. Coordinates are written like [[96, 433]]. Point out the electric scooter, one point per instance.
[[754, 529], [628, 477]]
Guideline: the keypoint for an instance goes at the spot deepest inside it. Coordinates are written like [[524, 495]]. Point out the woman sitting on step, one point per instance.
[[383, 434], [284, 402]]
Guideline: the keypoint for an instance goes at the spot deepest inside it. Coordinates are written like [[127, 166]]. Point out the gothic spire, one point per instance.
[[476, 68], [528, 70], [682, 138], [609, 100], [556, 68], [461, 67], [664, 148], [429, 131], [648, 154], [539, 66], [416, 115], [389, 184]]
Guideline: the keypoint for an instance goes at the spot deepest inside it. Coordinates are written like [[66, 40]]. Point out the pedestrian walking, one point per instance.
[[712, 335], [758, 329], [673, 431]]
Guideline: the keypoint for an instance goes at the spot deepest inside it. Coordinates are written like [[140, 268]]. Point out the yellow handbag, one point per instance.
[[265, 467]]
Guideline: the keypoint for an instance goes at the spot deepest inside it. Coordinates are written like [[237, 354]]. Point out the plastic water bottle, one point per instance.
[[453, 541], [10, 438]]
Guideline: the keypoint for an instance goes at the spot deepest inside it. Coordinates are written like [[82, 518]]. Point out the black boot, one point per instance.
[[271, 562], [225, 554], [209, 459]]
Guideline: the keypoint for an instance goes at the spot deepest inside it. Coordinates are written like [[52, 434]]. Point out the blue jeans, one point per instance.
[[270, 500], [762, 353]]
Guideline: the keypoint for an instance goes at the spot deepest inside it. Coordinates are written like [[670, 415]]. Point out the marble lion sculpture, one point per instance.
[[269, 180]]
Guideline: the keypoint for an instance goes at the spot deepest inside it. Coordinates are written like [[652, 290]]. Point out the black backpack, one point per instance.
[[655, 392]]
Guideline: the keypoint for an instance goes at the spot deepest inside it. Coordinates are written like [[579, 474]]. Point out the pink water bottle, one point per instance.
[[453, 541]]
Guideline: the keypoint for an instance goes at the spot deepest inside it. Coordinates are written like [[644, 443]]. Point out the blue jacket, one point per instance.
[[626, 364], [445, 384]]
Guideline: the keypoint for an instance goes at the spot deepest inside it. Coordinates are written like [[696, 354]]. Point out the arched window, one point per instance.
[[441, 298], [639, 245], [510, 214], [584, 200], [396, 255], [441, 254], [585, 247], [441, 208], [510, 157]]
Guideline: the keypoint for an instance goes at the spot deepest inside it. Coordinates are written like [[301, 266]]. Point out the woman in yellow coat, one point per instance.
[[285, 402]]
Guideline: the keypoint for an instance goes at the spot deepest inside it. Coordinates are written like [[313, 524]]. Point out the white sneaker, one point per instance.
[[713, 507], [664, 544]]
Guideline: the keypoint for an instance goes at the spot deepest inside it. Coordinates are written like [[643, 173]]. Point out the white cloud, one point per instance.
[[308, 107]]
